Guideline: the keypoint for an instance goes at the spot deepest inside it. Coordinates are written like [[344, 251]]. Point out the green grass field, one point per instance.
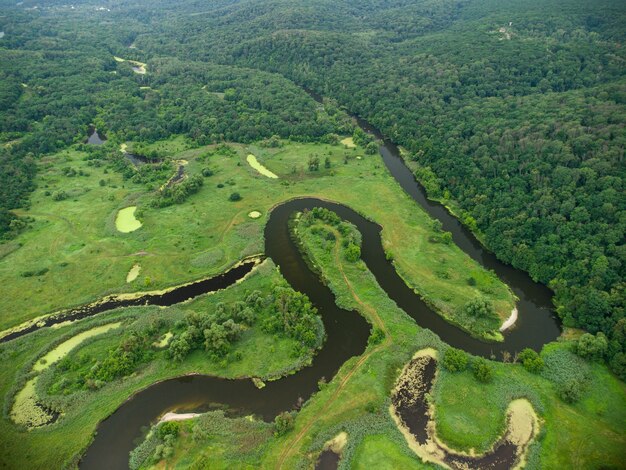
[[86, 257]]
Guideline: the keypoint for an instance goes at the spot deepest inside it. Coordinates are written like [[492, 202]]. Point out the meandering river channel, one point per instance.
[[347, 331]]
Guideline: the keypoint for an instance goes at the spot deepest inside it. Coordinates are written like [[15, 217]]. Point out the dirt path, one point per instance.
[[377, 322]]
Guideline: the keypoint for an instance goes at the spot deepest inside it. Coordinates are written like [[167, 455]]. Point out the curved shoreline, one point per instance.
[[509, 322], [414, 413]]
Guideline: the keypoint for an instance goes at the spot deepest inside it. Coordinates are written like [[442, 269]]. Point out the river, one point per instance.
[[347, 331]]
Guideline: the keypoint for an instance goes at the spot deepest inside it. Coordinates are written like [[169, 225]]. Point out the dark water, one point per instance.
[[177, 178], [537, 323], [95, 138], [136, 160], [347, 332], [328, 460]]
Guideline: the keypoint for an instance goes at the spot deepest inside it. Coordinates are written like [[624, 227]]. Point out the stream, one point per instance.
[[347, 331]]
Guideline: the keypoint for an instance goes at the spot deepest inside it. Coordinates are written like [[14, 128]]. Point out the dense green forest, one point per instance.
[[512, 111]]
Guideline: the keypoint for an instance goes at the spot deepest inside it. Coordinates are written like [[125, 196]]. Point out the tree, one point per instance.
[[179, 347], [169, 428], [371, 148], [352, 252], [570, 391], [455, 360], [314, 163], [480, 307], [327, 162], [531, 361], [234, 197], [283, 423], [482, 370], [592, 347], [618, 365]]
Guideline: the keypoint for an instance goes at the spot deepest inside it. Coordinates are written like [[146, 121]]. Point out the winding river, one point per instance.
[[347, 331]]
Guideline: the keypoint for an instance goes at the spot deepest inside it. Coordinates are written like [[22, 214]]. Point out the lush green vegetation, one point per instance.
[[520, 133], [512, 113], [76, 238], [509, 112], [469, 413], [84, 386], [322, 228]]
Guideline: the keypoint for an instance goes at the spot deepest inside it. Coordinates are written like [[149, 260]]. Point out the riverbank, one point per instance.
[[469, 414], [258, 354], [414, 416]]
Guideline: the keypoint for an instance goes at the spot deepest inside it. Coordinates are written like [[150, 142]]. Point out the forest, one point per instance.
[[510, 113], [523, 131]]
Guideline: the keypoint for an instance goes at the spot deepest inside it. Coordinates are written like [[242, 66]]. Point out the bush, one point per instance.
[[234, 197], [371, 148], [376, 337], [59, 196], [283, 423], [480, 307], [561, 366], [618, 365], [353, 253], [179, 347], [531, 361], [206, 172], [455, 360], [592, 347], [482, 370], [571, 391], [169, 428]]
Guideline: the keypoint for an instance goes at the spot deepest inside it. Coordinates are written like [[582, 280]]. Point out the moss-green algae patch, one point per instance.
[[126, 221], [254, 163]]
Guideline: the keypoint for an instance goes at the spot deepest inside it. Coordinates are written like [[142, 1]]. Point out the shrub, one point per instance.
[[371, 148], [531, 361], [283, 423], [561, 366], [234, 197], [455, 360], [206, 172], [618, 365], [169, 428], [353, 253], [592, 347], [376, 337], [482, 370], [179, 347], [480, 307], [571, 391], [60, 196]]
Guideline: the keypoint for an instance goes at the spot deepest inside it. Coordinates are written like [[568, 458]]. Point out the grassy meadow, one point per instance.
[[73, 253]]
